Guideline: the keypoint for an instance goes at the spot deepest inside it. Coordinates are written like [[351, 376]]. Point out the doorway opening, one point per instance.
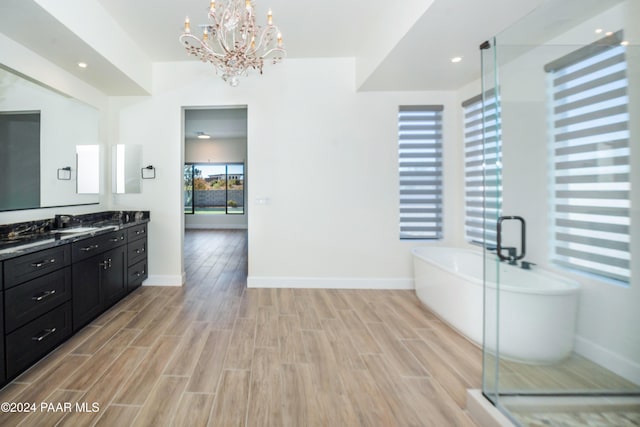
[[215, 179]]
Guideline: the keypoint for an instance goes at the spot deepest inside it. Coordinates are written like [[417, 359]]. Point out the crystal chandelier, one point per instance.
[[233, 42]]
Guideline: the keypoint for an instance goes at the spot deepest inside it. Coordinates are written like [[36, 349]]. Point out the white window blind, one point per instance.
[[591, 158], [482, 168], [420, 166]]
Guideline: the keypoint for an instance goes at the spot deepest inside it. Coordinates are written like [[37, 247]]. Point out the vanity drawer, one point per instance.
[[29, 300], [88, 247], [32, 341], [137, 232], [137, 274], [27, 267], [137, 251]]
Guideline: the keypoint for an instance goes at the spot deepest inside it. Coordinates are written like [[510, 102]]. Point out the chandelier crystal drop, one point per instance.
[[232, 41]]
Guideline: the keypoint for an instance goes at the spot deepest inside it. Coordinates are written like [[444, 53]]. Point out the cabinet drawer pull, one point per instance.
[[139, 273], [115, 239], [106, 264], [89, 248], [43, 295], [44, 334], [138, 232], [43, 263], [139, 251]]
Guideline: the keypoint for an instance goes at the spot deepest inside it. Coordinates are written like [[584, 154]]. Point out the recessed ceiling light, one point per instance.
[[608, 33], [82, 64], [625, 43], [456, 59], [202, 135], [599, 30]]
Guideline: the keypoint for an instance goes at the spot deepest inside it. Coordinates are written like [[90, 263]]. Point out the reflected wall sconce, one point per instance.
[[148, 172], [64, 174]]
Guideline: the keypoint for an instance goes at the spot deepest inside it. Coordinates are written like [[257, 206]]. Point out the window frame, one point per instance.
[[226, 174]]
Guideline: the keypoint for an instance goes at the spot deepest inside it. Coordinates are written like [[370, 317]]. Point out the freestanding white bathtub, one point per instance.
[[537, 309]]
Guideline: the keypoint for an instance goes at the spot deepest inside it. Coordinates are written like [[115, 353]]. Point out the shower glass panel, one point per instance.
[[491, 153], [561, 92]]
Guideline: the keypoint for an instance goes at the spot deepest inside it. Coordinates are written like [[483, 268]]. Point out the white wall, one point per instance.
[[309, 134], [219, 150], [608, 314]]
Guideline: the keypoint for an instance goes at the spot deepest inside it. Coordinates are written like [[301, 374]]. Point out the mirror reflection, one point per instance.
[[39, 131], [127, 161], [88, 167]]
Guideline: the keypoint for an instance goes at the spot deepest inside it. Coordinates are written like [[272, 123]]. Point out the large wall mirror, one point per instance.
[[49, 152]]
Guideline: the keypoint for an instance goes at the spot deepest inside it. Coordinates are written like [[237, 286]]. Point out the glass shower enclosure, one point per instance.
[[561, 146]]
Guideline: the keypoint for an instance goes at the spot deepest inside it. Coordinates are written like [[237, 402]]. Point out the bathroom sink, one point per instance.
[[76, 230]]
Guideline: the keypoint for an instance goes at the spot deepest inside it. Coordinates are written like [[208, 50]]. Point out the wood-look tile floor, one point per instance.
[[216, 353]]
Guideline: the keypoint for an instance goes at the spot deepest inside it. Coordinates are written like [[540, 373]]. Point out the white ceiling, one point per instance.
[[406, 45]]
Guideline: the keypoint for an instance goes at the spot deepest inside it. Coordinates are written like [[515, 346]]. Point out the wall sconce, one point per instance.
[[64, 174], [148, 172]]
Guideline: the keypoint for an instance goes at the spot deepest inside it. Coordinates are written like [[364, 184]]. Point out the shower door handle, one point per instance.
[[523, 235]]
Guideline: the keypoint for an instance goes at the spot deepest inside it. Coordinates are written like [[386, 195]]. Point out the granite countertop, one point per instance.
[[27, 237]]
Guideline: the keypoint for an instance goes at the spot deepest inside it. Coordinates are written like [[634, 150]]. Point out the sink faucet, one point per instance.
[[62, 220]]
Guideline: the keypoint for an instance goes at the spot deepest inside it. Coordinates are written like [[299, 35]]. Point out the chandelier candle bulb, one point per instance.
[[187, 25], [269, 17], [212, 6]]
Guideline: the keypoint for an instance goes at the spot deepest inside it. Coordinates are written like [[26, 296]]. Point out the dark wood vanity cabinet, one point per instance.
[[99, 276], [136, 256], [47, 295], [3, 375], [26, 267], [35, 339], [37, 308], [36, 297]]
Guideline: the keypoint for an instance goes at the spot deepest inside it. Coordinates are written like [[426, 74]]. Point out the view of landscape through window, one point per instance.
[[214, 188]]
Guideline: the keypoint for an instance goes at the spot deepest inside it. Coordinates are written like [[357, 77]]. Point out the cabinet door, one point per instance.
[[87, 298], [114, 279], [136, 275], [34, 298], [3, 376], [27, 267], [137, 251], [35, 339]]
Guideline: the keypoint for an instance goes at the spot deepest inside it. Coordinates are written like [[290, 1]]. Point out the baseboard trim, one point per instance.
[[328, 282], [617, 364], [164, 280], [483, 412], [215, 226]]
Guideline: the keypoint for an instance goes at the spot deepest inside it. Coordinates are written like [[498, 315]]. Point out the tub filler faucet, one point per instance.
[[512, 255]]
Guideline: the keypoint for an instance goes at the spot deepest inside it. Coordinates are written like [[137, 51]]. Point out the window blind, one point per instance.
[[482, 168], [591, 158], [420, 167]]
